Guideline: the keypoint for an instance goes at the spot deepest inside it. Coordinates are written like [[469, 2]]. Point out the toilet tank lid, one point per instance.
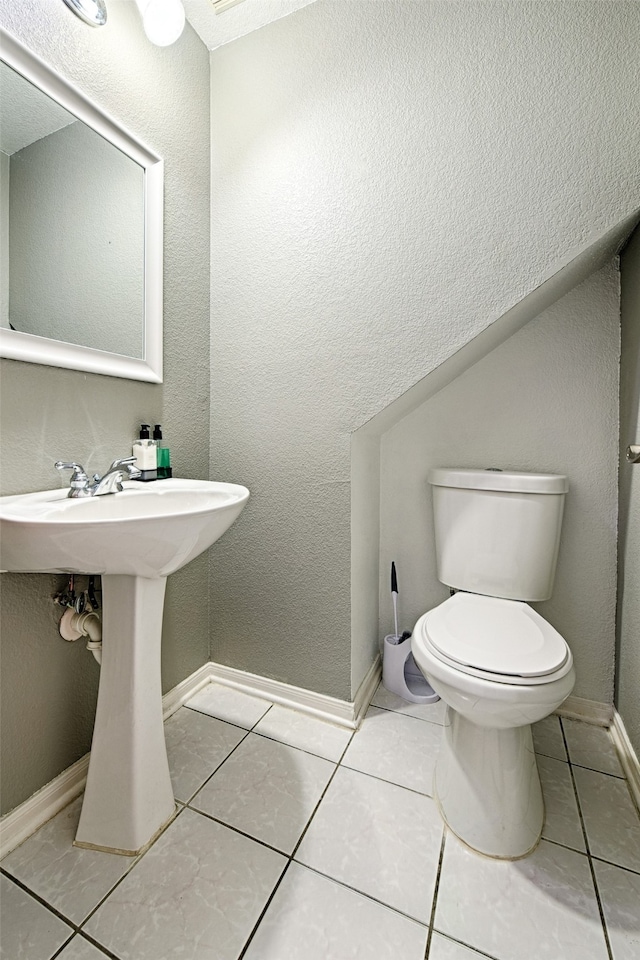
[[505, 480]]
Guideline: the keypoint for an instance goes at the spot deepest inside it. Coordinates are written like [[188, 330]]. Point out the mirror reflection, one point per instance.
[[72, 227]]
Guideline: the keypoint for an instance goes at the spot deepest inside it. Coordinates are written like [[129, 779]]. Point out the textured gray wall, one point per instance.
[[49, 686], [545, 400], [628, 659], [388, 179]]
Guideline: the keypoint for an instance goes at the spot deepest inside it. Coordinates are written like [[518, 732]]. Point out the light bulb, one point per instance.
[[163, 20]]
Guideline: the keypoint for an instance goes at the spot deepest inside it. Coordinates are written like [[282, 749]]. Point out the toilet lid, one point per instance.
[[496, 636]]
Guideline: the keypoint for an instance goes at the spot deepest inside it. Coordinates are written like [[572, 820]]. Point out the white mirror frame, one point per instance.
[[15, 345]]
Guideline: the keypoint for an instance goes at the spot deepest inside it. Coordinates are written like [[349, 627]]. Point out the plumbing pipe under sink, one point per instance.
[[75, 625]]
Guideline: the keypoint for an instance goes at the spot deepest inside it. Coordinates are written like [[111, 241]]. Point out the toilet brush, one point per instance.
[[400, 673], [394, 597]]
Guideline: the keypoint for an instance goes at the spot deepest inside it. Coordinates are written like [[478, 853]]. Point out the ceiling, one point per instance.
[[41, 116], [214, 29]]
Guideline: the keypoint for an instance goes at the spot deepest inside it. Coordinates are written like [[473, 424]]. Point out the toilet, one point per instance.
[[496, 663]]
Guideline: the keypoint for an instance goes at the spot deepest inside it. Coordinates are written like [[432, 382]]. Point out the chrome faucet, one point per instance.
[[81, 487], [111, 482]]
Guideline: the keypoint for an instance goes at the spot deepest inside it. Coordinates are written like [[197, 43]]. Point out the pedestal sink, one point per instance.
[[134, 539]]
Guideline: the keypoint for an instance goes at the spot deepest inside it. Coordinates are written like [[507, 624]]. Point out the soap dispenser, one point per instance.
[[145, 451], [164, 455]]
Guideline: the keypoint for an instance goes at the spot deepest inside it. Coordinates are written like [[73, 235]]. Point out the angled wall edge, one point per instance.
[[365, 442]]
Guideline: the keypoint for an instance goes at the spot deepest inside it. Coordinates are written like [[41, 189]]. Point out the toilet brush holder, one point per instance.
[[401, 674]]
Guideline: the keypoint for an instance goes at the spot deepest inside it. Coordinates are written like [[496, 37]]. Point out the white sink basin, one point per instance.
[[135, 539], [148, 530]]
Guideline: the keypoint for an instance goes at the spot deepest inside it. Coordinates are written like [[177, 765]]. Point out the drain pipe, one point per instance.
[[75, 625]]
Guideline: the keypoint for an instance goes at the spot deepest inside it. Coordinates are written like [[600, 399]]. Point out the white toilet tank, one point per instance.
[[497, 533]]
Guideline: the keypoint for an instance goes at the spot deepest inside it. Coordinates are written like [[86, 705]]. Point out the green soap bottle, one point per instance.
[[164, 455]]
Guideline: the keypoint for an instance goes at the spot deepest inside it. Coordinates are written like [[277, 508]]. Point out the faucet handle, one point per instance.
[[127, 465], [78, 476], [79, 486]]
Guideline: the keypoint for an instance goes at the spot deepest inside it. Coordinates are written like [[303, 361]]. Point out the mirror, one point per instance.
[[81, 212]]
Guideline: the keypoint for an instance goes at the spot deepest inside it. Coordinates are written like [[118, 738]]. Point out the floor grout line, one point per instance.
[[618, 866], [213, 772], [263, 911], [315, 809], [247, 836], [212, 716], [392, 783], [463, 943], [565, 846], [436, 889], [94, 943], [548, 756], [605, 773], [402, 713], [64, 946], [361, 893], [588, 850], [601, 911], [267, 736], [36, 896], [583, 853]]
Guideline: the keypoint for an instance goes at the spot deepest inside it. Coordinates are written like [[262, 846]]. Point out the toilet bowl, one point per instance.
[[497, 664], [486, 781]]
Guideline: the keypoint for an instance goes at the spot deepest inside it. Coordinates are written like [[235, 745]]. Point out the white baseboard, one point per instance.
[[626, 753], [590, 711], [20, 823], [343, 712], [366, 690], [175, 698]]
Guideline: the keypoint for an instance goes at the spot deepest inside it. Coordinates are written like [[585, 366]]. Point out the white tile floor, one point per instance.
[[296, 840]]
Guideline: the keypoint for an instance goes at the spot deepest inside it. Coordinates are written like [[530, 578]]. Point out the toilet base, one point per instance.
[[488, 788]]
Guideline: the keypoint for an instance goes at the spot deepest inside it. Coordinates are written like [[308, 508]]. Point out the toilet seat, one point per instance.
[[495, 639]]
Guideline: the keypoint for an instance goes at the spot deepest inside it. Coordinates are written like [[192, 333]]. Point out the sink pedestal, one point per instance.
[[128, 797], [135, 538]]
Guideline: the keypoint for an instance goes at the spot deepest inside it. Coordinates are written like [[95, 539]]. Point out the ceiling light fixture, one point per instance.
[[93, 12], [163, 20]]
